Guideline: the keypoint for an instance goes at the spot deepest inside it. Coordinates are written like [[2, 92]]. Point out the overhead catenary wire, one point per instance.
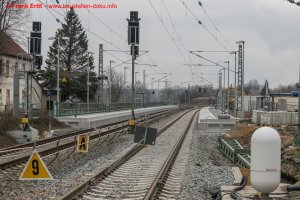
[[110, 29], [214, 24], [165, 27], [217, 64], [201, 24], [176, 32], [173, 25], [93, 33]]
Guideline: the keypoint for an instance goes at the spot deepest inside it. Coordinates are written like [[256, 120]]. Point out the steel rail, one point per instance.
[[71, 134], [105, 172], [43, 153], [159, 181]]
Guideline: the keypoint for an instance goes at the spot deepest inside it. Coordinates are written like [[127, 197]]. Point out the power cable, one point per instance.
[[213, 23], [169, 34], [200, 23], [173, 25]]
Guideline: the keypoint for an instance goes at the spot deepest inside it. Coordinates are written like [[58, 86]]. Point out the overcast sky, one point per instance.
[[270, 29]]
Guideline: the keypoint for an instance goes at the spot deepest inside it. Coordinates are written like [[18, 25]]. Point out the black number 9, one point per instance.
[[35, 167]]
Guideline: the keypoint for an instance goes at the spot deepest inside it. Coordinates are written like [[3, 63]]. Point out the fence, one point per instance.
[[33, 109], [67, 109]]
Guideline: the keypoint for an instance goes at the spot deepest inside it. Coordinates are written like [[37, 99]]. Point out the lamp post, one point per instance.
[[110, 81], [88, 82], [227, 85], [57, 78]]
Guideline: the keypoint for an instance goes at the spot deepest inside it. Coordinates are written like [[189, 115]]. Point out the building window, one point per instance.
[[23, 96], [16, 67], [7, 68], [1, 67], [7, 97], [24, 67]]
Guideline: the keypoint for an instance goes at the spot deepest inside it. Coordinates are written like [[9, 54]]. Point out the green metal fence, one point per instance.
[[67, 109]]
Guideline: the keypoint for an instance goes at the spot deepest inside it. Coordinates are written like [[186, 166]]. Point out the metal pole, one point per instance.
[[152, 83], [228, 88], [26, 89], [235, 90], [99, 66], [158, 90], [189, 99], [110, 83], [136, 78], [221, 90], [223, 96], [102, 78], [57, 83], [243, 63], [125, 84], [144, 79], [297, 139], [88, 82], [132, 83], [49, 116]]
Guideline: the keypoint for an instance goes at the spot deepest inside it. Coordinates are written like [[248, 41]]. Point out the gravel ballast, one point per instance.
[[206, 169], [68, 173]]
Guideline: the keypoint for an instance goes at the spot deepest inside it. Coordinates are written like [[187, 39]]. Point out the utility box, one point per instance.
[[145, 135]]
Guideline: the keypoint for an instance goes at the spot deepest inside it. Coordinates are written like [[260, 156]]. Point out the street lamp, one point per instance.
[[58, 68], [110, 81], [88, 84], [227, 84]]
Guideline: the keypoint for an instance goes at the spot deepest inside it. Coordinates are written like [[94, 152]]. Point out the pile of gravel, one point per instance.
[[206, 169]]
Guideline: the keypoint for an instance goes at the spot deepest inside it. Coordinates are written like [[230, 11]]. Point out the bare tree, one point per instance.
[[13, 21], [253, 87], [117, 85]]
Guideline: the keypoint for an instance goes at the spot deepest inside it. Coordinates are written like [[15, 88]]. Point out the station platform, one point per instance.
[[100, 119], [210, 119]]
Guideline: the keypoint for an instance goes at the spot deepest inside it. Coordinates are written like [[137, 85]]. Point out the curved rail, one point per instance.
[[159, 181], [67, 145], [108, 170]]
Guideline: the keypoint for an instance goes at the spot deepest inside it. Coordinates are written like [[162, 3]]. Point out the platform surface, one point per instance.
[[99, 119], [248, 192]]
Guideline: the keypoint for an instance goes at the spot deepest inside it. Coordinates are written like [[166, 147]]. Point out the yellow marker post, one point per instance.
[[24, 120], [83, 143], [131, 122], [35, 169], [64, 80]]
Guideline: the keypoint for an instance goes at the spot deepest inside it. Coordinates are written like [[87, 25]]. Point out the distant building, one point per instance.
[[12, 59]]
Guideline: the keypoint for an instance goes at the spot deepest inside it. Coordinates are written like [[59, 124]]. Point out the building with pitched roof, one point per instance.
[[14, 59]]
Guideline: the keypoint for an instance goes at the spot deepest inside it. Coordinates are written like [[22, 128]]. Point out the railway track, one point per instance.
[[142, 171], [17, 155]]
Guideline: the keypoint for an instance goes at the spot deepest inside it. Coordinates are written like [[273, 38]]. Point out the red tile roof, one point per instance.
[[9, 47]]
